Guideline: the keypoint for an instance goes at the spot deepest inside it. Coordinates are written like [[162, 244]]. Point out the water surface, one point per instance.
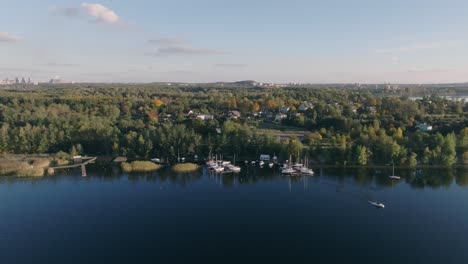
[[257, 216]]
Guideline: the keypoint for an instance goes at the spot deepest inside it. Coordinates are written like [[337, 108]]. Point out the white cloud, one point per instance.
[[59, 65], [65, 11], [231, 65], [167, 41], [419, 47], [395, 59], [434, 70], [5, 37], [100, 13], [182, 50]]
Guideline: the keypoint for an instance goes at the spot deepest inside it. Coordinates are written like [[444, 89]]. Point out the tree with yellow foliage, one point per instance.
[[158, 102]]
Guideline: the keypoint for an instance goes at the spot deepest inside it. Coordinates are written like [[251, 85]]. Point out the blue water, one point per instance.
[[255, 217]]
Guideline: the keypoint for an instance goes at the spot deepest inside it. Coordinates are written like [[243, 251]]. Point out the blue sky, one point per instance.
[[365, 41]]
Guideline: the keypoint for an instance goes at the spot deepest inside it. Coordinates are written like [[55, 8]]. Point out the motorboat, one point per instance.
[[261, 163], [377, 204], [271, 164], [156, 160]]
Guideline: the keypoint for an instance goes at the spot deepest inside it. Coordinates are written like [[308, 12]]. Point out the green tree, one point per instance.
[[362, 155], [294, 147]]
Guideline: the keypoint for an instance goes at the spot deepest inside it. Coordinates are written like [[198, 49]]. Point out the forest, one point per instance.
[[354, 125]]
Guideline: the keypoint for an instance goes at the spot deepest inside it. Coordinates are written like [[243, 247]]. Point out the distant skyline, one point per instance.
[[306, 41]]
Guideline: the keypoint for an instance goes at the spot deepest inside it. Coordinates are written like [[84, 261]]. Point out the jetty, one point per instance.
[[82, 165]]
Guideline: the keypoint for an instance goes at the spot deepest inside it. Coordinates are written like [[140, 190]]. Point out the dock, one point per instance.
[[82, 165]]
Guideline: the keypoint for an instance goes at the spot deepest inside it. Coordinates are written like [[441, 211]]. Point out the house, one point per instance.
[[284, 109], [305, 106], [233, 114], [424, 127], [280, 117], [264, 157], [205, 117], [188, 112]]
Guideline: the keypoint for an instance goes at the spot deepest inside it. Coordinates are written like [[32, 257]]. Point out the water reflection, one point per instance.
[[338, 177]]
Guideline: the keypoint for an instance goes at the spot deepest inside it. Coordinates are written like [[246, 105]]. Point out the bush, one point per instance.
[[62, 155], [185, 167], [10, 167], [30, 172], [139, 166]]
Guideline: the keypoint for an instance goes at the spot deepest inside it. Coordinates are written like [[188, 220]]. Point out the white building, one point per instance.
[[424, 127], [205, 117], [305, 106], [280, 117]]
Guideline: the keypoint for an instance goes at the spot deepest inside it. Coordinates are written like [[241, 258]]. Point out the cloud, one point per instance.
[[177, 46], [231, 65], [5, 37], [167, 41], [419, 47], [181, 50], [56, 64], [65, 11], [436, 70], [16, 70], [395, 59], [100, 13]]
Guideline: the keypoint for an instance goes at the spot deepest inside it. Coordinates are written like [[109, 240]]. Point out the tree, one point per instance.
[[412, 161], [362, 155], [158, 102], [4, 138], [294, 147], [449, 155]]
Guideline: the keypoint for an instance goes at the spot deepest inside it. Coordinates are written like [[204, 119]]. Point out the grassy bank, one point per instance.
[[185, 167], [24, 167], [139, 166]]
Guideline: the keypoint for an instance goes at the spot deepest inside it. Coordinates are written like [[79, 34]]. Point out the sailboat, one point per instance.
[[287, 168], [305, 168], [393, 176], [232, 167]]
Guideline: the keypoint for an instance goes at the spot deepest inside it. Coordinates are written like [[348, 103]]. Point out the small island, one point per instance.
[[139, 166], [185, 167]]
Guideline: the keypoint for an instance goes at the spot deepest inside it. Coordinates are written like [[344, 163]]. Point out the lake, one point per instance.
[[257, 216]]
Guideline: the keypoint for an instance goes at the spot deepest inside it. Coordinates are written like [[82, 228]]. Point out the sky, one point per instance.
[[307, 41]]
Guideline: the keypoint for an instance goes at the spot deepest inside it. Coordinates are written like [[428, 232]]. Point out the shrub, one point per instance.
[[139, 166], [185, 167]]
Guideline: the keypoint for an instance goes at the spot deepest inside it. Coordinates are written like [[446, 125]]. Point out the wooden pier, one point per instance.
[[82, 165]]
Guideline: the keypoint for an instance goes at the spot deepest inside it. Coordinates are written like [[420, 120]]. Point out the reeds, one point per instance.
[[139, 166], [185, 167]]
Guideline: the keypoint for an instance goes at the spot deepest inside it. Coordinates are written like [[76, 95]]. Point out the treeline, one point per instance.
[[344, 126]]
